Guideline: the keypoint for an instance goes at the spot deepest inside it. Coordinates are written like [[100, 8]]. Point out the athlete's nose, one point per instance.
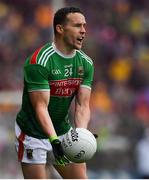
[[83, 29]]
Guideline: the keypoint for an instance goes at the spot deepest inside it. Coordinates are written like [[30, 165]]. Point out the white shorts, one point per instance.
[[33, 150]]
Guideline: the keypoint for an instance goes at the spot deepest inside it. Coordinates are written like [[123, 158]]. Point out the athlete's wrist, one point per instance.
[[52, 138]]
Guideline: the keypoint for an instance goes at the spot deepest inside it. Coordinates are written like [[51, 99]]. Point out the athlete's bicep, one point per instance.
[[36, 78]]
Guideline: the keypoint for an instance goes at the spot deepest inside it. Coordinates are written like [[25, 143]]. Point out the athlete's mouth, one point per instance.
[[80, 39]]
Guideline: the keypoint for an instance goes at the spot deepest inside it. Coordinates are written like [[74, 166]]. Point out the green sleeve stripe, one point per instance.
[[45, 62], [88, 59], [86, 56], [81, 52], [45, 55]]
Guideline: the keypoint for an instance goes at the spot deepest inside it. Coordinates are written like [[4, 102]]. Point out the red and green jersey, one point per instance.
[[49, 70]]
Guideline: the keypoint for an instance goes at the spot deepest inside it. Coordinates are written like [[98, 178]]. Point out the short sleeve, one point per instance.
[[36, 77], [88, 76]]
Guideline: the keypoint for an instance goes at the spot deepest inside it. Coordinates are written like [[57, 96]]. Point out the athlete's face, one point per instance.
[[74, 30]]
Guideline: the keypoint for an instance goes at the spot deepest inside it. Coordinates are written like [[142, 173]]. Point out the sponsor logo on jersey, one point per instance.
[[66, 87]]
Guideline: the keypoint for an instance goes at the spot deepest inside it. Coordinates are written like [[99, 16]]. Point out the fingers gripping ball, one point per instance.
[[79, 145], [60, 158]]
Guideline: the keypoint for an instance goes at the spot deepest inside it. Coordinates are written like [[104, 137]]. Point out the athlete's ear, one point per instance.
[[59, 28]]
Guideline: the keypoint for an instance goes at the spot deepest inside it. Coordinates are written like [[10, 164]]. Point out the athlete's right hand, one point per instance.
[[58, 152]]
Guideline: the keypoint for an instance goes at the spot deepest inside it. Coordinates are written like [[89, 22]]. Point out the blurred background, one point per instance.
[[118, 42]]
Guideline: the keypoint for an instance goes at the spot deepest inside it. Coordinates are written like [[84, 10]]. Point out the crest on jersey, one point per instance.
[[29, 153], [80, 70]]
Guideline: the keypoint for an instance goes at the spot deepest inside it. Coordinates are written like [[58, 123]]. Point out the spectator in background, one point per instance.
[[142, 156]]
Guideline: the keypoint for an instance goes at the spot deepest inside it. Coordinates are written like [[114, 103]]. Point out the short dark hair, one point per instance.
[[60, 15]]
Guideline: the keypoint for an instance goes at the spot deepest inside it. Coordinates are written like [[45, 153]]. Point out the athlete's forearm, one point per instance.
[[40, 101], [45, 120], [82, 116], [82, 108]]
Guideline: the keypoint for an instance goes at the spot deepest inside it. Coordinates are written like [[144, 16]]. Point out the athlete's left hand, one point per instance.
[[58, 153]]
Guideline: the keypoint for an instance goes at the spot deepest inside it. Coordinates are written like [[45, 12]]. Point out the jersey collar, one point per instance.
[[61, 54]]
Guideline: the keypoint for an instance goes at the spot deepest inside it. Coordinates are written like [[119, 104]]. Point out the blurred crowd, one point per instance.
[[118, 42], [25, 25]]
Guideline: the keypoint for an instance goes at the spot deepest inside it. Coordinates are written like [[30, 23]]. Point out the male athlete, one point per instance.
[[53, 75]]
